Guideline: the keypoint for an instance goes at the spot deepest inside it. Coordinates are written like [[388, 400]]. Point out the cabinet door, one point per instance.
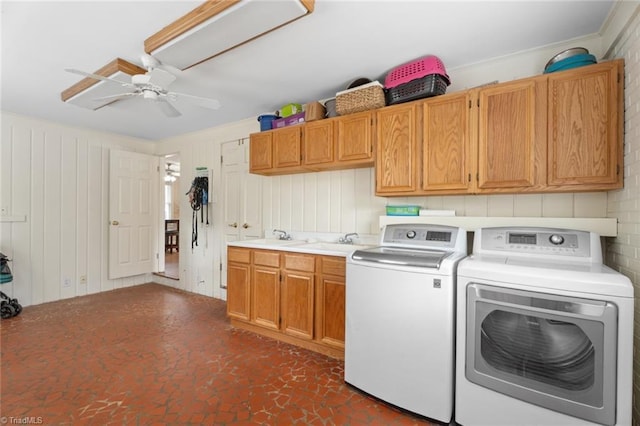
[[318, 142], [396, 152], [446, 148], [509, 135], [287, 144], [238, 273], [355, 138], [331, 302], [585, 128], [260, 152], [297, 304], [298, 295], [265, 297]]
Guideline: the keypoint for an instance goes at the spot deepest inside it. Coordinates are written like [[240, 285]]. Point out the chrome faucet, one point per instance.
[[348, 238], [283, 234]]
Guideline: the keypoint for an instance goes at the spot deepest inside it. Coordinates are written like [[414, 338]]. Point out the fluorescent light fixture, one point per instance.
[[85, 92], [220, 25]]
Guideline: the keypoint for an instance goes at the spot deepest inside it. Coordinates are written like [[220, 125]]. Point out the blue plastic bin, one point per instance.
[[266, 121]]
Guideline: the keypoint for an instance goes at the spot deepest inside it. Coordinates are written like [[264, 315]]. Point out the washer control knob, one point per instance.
[[411, 234], [556, 239]]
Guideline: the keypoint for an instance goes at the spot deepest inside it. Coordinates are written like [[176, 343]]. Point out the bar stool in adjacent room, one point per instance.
[[172, 235]]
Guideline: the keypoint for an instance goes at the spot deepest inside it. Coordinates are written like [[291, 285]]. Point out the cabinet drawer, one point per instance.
[[298, 262], [333, 266], [238, 255], [266, 258]]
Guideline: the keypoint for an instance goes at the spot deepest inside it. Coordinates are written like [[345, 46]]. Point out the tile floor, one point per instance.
[[154, 355]]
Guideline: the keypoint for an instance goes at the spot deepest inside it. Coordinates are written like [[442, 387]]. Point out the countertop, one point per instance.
[[301, 246]]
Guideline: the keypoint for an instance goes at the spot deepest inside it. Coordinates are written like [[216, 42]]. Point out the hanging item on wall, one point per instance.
[[199, 201]]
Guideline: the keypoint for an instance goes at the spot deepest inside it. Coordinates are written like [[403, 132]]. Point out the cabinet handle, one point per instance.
[[115, 223], [245, 225], [234, 224]]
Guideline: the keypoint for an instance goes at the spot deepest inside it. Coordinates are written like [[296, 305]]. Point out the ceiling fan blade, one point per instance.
[[161, 78], [168, 109], [117, 97], [197, 100], [99, 77]]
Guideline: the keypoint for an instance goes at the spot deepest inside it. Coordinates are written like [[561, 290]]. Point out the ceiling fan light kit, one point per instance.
[[207, 31]]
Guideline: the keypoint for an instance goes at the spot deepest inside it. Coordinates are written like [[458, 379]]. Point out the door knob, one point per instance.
[[245, 226], [234, 224], [115, 223]]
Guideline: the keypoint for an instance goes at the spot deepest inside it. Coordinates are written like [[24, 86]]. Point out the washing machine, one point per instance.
[[400, 317], [544, 331]]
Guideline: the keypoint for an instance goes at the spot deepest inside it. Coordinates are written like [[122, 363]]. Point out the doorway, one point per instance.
[[171, 217]]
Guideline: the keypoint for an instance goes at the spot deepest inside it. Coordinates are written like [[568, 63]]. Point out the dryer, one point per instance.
[[544, 331]]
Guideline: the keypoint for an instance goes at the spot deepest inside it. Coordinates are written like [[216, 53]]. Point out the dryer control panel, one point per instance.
[[539, 242]]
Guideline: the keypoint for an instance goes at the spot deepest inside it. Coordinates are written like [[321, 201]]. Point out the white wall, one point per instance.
[[54, 179], [624, 252]]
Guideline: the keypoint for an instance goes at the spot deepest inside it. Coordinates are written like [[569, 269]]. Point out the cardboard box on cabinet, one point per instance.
[[314, 111]]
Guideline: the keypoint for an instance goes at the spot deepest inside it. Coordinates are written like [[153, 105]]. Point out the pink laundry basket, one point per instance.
[[417, 68]]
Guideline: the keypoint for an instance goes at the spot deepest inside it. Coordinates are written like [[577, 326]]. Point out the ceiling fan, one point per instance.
[[152, 86]]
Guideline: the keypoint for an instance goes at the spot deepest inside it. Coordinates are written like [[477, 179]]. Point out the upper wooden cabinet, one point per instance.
[[585, 129], [331, 144], [318, 143], [354, 139], [261, 152], [447, 155], [511, 136], [550, 133], [276, 152], [397, 151]]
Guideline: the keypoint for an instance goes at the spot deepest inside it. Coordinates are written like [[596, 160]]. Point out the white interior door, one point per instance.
[[251, 203], [133, 190], [242, 199]]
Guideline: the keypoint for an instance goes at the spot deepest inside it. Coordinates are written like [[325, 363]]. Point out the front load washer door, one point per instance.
[[553, 351]]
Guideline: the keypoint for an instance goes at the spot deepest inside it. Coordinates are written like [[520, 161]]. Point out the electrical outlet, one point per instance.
[[66, 282], [83, 279]]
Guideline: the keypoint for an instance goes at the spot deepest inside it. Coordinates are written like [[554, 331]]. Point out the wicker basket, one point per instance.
[[361, 98]]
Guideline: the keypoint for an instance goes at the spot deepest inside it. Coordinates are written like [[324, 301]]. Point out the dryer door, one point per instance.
[[553, 351]]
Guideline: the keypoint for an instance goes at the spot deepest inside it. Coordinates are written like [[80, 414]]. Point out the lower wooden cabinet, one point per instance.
[[238, 273], [294, 297], [330, 297], [298, 282], [265, 289]]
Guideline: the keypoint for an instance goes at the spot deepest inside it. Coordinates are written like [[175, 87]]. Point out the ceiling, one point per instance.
[[307, 60]]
